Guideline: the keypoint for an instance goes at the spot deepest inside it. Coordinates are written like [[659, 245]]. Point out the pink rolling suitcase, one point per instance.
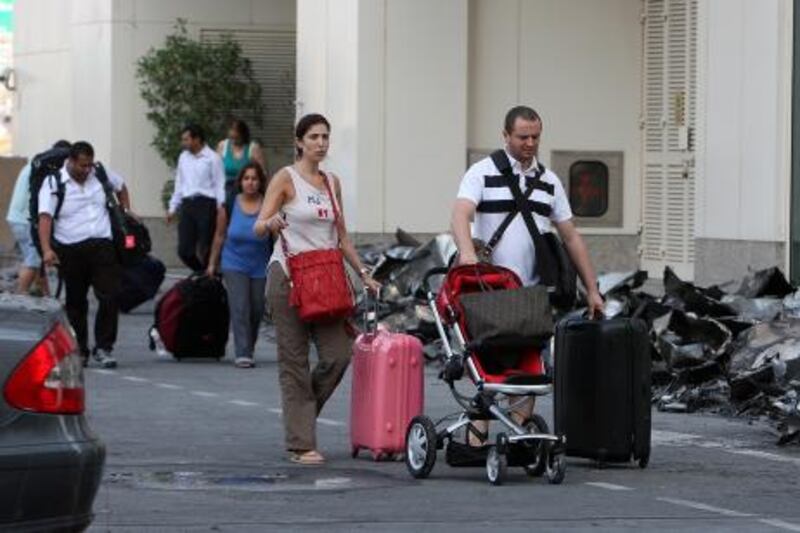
[[387, 391]]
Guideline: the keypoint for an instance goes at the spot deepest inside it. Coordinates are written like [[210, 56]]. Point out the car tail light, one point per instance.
[[50, 378]]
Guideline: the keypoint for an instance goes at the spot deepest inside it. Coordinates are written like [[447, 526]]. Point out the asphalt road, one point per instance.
[[198, 446]]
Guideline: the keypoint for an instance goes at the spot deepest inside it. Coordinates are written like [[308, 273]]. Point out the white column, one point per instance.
[[42, 59], [391, 75], [426, 111], [92, 62], [327, 70], [748, 117]]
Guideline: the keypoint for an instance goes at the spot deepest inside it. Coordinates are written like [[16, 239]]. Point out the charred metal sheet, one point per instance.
[[686, 297], [406, 239], [768, 282], [732, 349], [756, 309], [760, 339], [435, 253], [614, 281], [707, 331]]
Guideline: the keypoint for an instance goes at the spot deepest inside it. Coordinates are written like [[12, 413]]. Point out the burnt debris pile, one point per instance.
[[732, 349]]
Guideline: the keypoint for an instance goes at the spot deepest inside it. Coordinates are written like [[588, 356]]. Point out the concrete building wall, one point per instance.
[[77, 79], [411, 85], [143, 24], [392, 77], [578, 64], [743, 197], [76, 63], [42, 59], [327, 83], [426, 111]]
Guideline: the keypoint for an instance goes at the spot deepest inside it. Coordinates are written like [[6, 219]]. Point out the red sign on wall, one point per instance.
[[588, 188]]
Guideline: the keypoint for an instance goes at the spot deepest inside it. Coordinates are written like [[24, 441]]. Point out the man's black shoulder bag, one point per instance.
[[131, 237]]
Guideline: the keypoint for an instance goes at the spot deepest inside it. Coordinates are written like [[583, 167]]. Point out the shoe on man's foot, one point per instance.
[[105, 358], [244, 362]]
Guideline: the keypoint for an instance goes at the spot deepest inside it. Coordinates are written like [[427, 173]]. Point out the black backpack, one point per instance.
[[45, 166], [131, 237]]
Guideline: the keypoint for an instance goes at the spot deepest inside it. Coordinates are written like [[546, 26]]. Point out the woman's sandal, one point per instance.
[[309, 458]]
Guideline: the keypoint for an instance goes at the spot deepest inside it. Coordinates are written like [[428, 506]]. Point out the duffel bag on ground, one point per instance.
[[140, 283], [192, 318]]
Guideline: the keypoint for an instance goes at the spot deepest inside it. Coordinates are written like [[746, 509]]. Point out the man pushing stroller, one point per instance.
[[489, 200]]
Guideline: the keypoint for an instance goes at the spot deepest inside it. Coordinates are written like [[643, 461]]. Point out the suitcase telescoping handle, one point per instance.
[[370, 317]]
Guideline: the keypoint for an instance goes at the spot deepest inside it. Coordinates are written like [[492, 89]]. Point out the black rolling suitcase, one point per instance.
[[140, 283], [602, 389], [192, 319]]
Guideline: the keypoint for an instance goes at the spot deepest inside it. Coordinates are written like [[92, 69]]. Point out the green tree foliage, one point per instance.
[[188, 80]]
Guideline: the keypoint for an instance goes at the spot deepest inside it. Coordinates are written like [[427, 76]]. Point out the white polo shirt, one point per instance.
[[83, 214], [200, 174], [515, 250]]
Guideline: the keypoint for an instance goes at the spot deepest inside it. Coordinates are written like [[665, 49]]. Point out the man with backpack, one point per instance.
[[75, 233], [18, 219]]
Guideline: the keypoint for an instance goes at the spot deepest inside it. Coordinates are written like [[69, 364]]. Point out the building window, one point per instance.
[[272, 54], [588, 188]]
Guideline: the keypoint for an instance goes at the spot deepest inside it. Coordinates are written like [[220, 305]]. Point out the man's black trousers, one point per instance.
[[196, 231], [91, 263]]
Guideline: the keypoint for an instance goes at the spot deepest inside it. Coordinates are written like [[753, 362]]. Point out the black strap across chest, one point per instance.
[[523, 205], [531, 182]]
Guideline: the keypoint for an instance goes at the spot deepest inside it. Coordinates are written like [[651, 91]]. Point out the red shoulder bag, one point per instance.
[[320, 288]]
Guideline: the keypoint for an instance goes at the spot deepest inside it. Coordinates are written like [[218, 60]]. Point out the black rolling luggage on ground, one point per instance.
[[140, 282], [602, 389], [192, 318]]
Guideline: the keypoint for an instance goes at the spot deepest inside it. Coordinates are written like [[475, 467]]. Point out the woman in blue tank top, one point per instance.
[[237, 151], [242, 258]]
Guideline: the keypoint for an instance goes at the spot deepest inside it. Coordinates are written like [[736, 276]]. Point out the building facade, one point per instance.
[[668, 120]]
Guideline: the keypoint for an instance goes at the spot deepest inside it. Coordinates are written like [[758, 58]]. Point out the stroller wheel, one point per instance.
[[502, 443], [421, 444], [556, 467], [536, 424], [496, 466]]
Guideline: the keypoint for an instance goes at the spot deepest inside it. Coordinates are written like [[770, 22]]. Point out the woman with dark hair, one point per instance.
[[244, 259], [238, 150], [300, 210]]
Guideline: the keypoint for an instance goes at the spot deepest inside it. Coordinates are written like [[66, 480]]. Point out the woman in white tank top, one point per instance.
[[299, 208]]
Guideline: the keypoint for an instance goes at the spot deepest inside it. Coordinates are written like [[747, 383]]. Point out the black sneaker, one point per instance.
[[104, 358]]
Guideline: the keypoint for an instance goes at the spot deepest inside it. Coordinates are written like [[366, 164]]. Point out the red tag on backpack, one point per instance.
[[130, 242]]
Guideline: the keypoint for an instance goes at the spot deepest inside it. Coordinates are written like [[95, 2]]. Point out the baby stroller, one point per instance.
[[500, 388]]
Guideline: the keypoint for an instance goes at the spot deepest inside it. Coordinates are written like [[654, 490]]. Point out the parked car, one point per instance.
[[51, 463]]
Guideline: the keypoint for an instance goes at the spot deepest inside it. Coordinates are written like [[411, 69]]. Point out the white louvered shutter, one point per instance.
[[668, 123], [272, 54]]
